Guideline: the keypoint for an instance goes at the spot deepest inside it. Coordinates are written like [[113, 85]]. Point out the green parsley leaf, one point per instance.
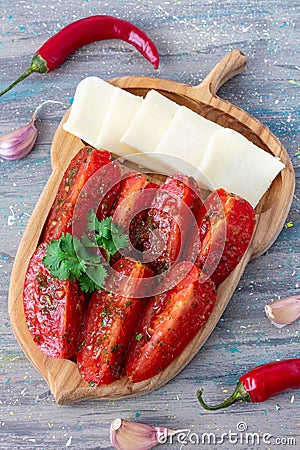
[[87, 241], [87, 284], [91, 220], [103, 228], [54, 255], [120, 240], [71, 258], [64, 272], [98, 275], [67, 245]]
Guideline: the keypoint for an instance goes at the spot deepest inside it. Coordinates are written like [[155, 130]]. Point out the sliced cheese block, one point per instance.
[[186, 139], [89, 108], [150, 123], [120, 113], [162, 164], [148, 163], [187, 136], [237, 165]]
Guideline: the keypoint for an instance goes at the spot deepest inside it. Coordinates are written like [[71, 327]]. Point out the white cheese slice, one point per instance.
[[162, 164], [89, 108], [150, 123], [186, 139], [187, 136], [120, 113], [237, 165]]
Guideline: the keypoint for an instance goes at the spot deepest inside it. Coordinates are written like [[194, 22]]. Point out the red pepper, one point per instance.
[[68, 208], [110, 322], [53, 309], [130, 186], [138, 231], [170, 321], [226, 223], [84, 31], [170, 220], [262, 382]]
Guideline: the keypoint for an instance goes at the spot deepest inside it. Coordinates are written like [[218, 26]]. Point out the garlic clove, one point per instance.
[[19, 143], [126, 435], [284, 311]]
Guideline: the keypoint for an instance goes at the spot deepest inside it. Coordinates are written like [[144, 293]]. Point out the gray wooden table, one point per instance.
[[192, 37]]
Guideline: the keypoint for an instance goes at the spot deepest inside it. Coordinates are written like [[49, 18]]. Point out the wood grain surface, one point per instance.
[[191, 38]]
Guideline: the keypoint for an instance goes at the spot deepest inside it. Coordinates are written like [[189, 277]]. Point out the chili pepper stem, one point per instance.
[[24, 75], [38, 64], [238, 394]]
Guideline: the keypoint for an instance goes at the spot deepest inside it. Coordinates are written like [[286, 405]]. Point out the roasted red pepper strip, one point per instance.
[[169, 220], [99, 192], [53, 309], [131, 184], [226, 224], [169, 323], [123, 211], [109, 324], [262, 382], [84, 31], [82, 167], [138, 231]]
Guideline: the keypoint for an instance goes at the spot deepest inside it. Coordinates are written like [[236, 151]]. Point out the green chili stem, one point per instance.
[[27, 72], [238, 394], [38, 64]]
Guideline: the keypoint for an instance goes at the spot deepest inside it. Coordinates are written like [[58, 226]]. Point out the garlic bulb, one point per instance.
[[284, 311], [126, 435], [19, 143]]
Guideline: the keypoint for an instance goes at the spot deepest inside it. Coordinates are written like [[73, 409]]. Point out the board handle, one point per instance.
[[231, 65]]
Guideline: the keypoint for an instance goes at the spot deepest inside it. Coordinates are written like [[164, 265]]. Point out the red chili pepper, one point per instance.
[[262, 382], [84, 31]]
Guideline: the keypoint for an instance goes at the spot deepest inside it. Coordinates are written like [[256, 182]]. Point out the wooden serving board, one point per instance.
[[63, 377]]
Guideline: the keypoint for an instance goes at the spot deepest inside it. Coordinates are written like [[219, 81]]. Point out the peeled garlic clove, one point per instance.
[[19, 143], [126, 435], [284, 311]]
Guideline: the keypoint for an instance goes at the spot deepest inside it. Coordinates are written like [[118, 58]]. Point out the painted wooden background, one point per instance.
[[192, 36]]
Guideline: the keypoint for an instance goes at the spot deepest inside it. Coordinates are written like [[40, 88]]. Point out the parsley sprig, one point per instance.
[[71, 258]]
